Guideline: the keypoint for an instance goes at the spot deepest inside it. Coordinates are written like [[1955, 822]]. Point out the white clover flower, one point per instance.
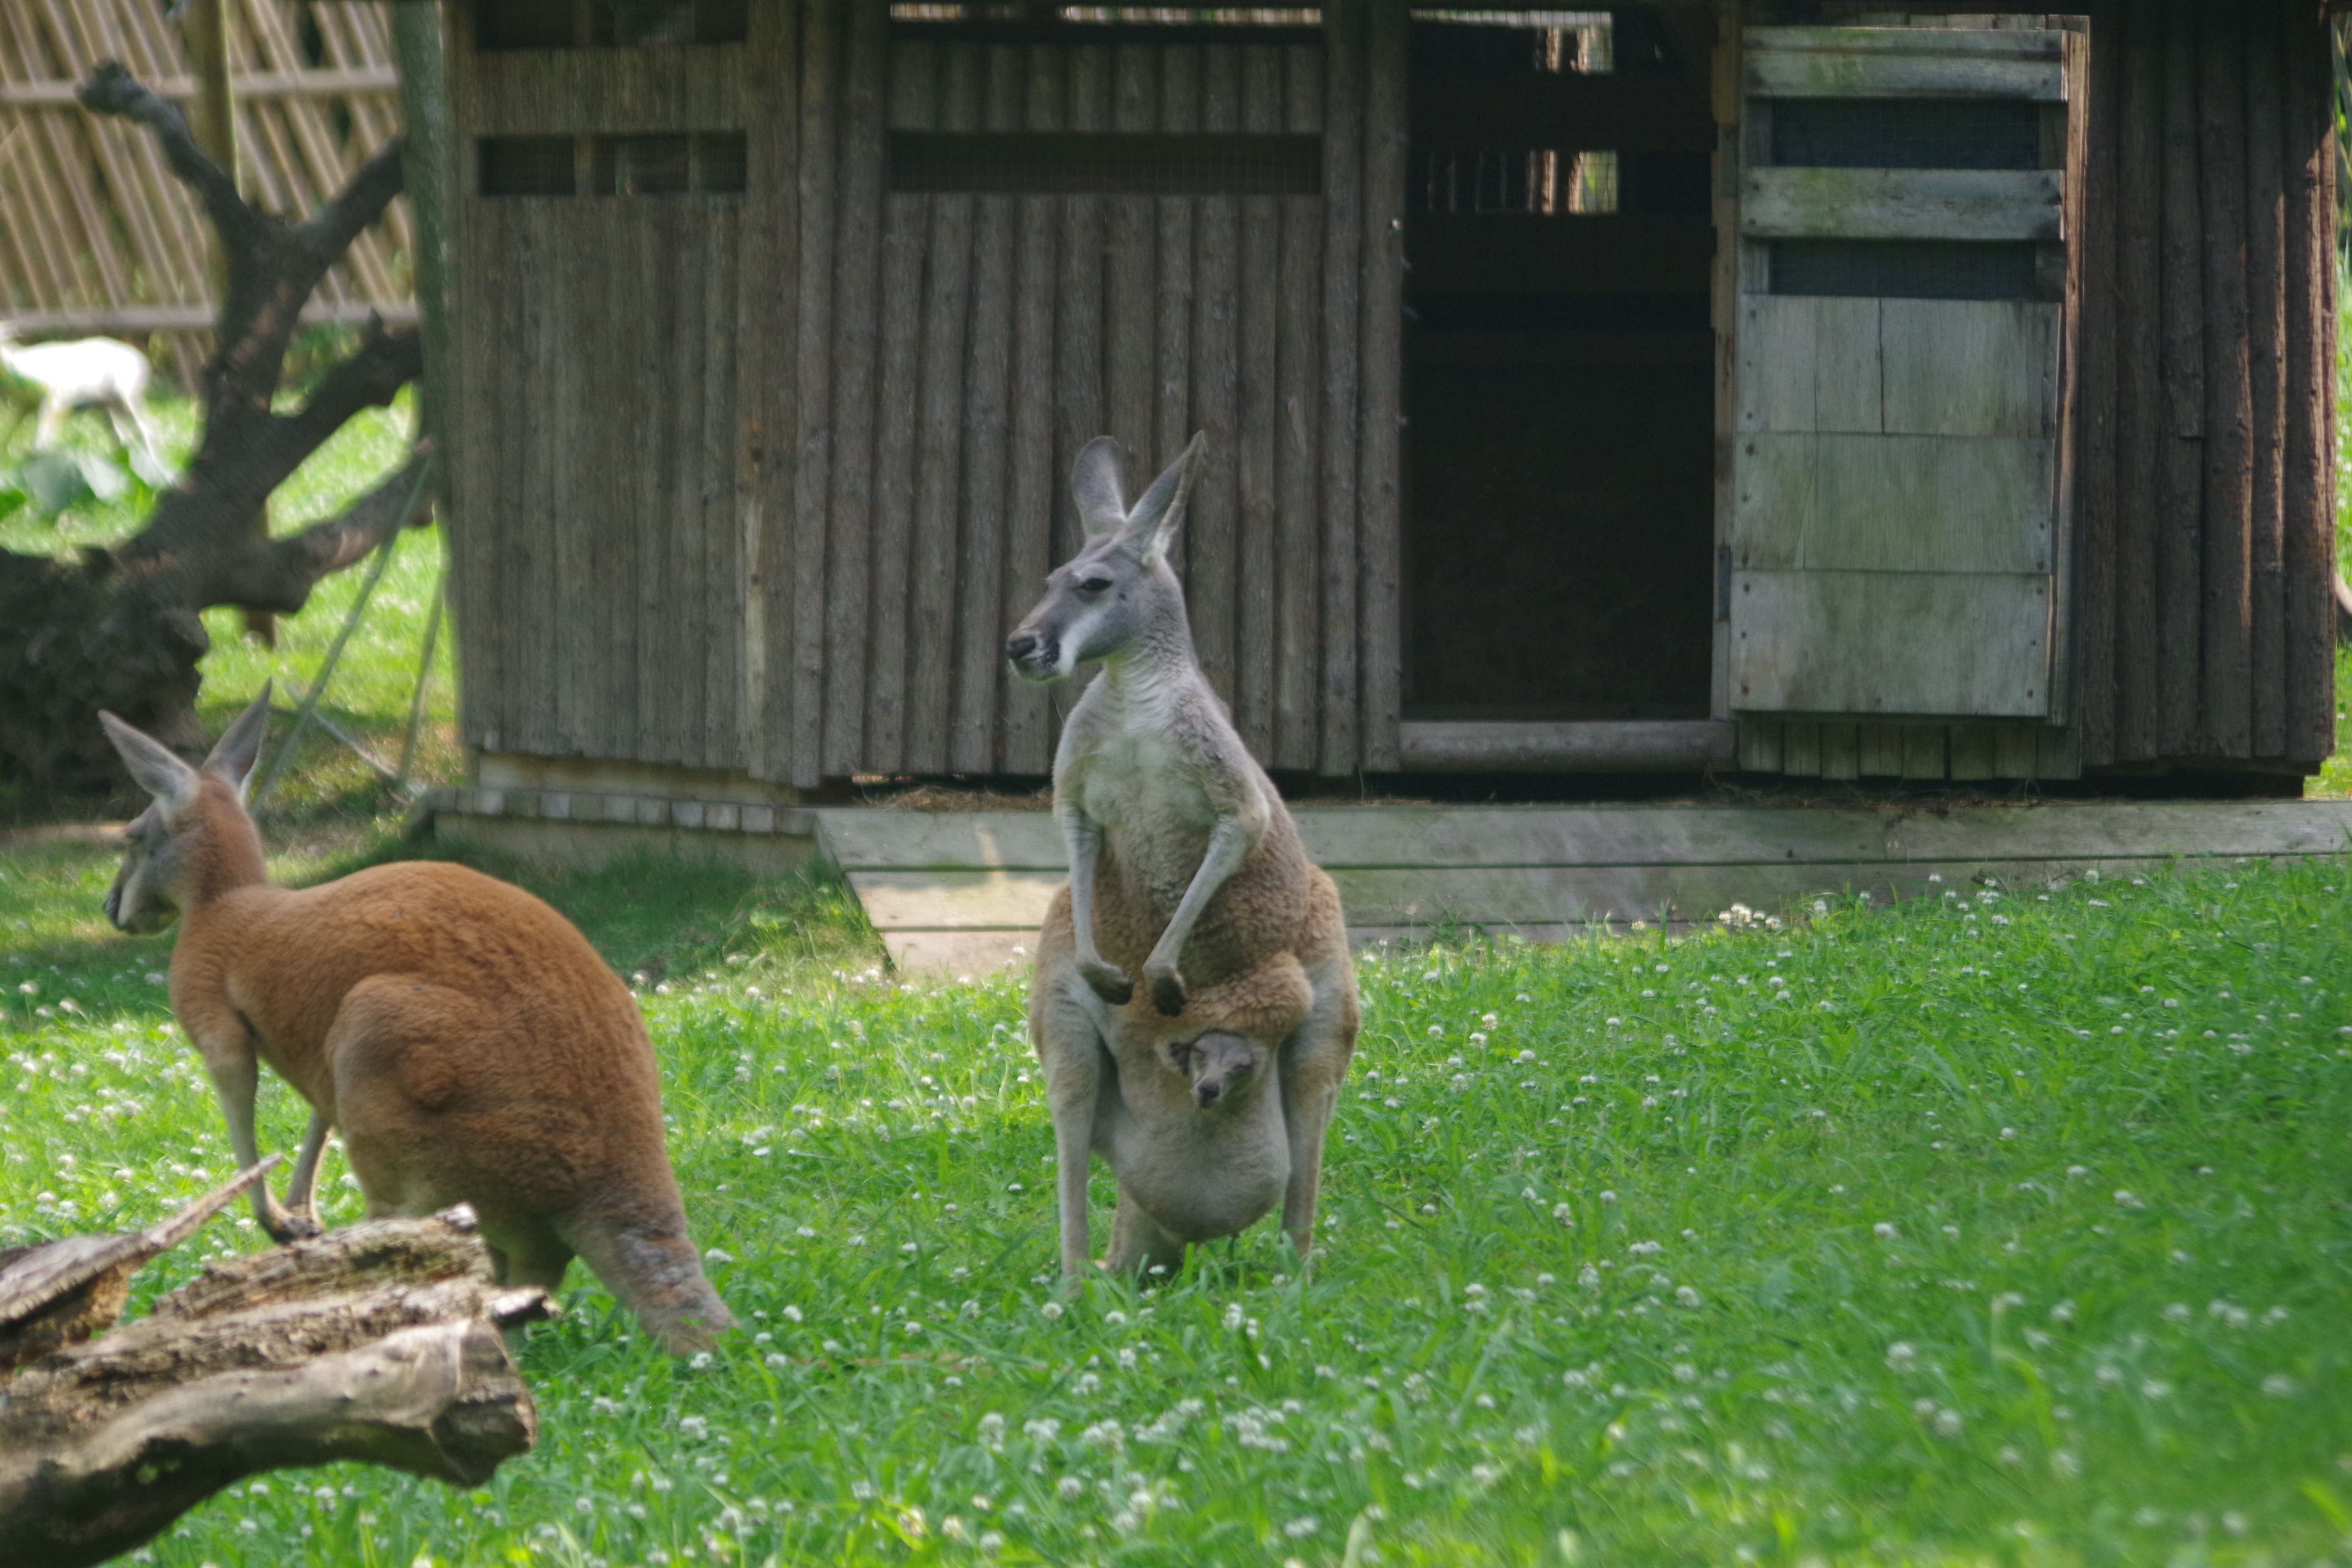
[[1686, 1297], [1068, 1487], [2279, 1386], [1883, 1231], [1948, 1422], [1052, 1310], [1902, 1357], [2064, 1312]]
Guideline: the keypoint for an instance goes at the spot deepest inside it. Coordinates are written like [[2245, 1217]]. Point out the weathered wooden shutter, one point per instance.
[[1900, 508]]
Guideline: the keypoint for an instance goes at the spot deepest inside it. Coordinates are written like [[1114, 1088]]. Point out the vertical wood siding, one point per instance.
[[2205, 387], [619, 503], [973, 342]]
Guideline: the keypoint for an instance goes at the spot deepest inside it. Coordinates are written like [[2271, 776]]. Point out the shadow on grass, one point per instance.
[[649, 916]]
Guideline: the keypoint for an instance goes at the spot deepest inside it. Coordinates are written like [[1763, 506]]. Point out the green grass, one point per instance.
[[1998, 1228]]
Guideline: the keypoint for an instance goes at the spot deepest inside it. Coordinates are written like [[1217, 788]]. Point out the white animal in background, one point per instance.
[[84, 373]]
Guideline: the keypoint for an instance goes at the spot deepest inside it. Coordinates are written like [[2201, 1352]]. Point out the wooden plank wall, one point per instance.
[[621, 515], [2204, 482], [961, 347], [95, 235]]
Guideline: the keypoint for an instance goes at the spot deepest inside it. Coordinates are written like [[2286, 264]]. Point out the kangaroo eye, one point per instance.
[[1094, 585]]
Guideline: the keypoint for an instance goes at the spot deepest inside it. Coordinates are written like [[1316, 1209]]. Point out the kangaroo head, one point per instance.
[[164, 845], [1119, 590], [1219, 1065]]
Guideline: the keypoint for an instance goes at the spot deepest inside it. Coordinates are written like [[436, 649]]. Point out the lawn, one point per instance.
[[2004, 1227]]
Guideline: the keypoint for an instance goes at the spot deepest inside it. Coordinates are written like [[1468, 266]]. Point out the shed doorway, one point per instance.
[[1558, 524]]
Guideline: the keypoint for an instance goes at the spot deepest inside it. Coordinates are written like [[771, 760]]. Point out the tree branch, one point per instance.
[[329, 232], [386, 362], [113, 90], [298, 562]]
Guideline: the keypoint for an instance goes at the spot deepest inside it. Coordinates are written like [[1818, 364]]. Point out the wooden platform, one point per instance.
[[962, 891]]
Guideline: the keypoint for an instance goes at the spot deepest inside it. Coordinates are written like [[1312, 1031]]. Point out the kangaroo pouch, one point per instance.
[[1201, 1172]]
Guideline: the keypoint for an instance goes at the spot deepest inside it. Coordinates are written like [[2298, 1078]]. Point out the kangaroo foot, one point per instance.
[[1166, 990], [1107, 981], [286, 1226]]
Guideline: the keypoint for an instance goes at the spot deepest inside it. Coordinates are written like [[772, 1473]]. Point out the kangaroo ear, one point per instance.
[[154, 766], [1095, 480], [1152, 526], [234, 753]]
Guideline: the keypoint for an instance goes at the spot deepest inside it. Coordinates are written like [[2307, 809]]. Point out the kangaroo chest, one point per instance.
[[1155, 818]]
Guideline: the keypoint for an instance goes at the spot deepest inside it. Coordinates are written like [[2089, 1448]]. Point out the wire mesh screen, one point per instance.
[[1548, 42], [1090, 164], [1906, 132], [706, 163], [1907, 268], [608, 23]]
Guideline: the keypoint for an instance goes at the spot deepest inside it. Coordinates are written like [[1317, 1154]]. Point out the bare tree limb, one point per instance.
[[329, 232], [113, 90]]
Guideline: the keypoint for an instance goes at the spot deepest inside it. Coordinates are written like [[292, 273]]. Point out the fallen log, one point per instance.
[[380, 1342]]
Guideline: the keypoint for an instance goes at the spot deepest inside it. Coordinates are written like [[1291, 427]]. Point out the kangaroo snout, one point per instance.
[[1033, 657]]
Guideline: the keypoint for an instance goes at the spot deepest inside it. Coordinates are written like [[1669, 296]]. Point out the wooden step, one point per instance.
[[961, 892]]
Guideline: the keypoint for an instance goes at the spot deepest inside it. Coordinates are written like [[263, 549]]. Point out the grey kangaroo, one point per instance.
[[1186, 871]]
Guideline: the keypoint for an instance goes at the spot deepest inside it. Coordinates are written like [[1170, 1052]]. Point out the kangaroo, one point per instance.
[[1186, 870], [465, 1037]]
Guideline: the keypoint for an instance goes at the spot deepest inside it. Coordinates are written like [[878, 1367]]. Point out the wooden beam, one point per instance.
[[1660, 746], [1902, 204]]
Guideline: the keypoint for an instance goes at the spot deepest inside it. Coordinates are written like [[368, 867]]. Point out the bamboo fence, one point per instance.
[[96, 237]]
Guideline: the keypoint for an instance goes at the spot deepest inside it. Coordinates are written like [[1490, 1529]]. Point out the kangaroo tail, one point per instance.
[[647, 1261]]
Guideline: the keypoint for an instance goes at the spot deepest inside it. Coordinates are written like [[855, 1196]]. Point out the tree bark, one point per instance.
[[120, 628], [378, 1343]]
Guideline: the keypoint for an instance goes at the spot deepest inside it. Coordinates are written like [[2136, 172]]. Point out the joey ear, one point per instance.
[[154, 767], [234, 753], [1095, 480], [1152, 526]]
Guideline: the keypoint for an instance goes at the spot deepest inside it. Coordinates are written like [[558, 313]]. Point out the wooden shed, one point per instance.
[[1835, 390]]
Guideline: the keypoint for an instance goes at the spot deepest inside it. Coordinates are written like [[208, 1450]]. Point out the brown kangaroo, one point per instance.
[[466, 1038]]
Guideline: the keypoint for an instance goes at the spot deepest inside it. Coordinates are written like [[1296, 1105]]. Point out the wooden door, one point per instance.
[[1899, 508]]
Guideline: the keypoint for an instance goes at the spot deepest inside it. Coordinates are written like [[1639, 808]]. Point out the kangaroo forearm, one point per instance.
[[1085, 840], [1228, 846]]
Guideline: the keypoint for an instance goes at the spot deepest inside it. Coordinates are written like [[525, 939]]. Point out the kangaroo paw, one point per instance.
[[1167, 991], [1107, 981]]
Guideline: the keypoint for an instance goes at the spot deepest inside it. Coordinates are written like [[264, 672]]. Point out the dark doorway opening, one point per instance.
[[1559, 384]]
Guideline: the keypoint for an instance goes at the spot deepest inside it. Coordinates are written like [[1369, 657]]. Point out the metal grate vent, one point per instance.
[[1548, 42], [1545, 181], [502, 24], [1056, 163], [1906, 132], [704, 163], [1907, 268], [1117, 16]]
